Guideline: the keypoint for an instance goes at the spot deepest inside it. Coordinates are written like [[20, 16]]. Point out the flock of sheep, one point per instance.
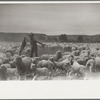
[[67, 60]]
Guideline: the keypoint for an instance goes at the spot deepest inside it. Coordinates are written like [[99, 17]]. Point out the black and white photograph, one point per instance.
[[49, 41]]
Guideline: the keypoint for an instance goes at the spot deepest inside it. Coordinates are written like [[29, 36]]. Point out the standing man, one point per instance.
[[33, 43]]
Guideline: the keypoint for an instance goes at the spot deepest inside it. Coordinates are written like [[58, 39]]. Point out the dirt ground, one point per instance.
[[90, 76], [59, 76]]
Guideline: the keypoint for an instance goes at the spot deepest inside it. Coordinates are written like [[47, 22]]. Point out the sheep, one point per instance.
[[63, 65], [41, 72], [93, 52], [56, 57], [35, 60], [76, 53], [6, 65], [82, 61], [8, 57], [11, 51], [85, 57], [12, 64], [97, 63], [6, 60], [9, 72], [45, 57], [23, 65], [73, 48], [91, 65], [64, 57], [12, 73], [1, 62], [46, 63], [67, 48], [2, 57], [77, 69]]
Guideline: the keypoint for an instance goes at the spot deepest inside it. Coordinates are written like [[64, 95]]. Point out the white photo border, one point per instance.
[[49, 89]]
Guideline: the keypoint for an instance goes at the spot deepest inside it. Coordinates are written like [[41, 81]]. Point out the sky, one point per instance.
[[67, 18]]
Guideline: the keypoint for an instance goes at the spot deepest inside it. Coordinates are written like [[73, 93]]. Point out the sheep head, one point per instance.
[[18, 60], [8, 54], [59, 54], [67, 65], [51, 59], [71, 59], [35, 60]]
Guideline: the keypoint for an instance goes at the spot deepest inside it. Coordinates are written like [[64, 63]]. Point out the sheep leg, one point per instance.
[[84, 74], [35, 77], [67, 73], [46, 78], [17, 76], [85, 78], [49, 76], [22, 77], [70, 74], [91, 70], [96, 69], [52, 73]]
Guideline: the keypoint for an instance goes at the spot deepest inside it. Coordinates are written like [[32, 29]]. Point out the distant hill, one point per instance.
[[18, 37]]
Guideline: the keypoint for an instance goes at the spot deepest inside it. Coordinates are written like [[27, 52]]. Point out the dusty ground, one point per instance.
[[59, 76], [90, 76]]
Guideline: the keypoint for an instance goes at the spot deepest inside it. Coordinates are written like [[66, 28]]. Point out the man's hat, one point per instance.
[[31, 34]]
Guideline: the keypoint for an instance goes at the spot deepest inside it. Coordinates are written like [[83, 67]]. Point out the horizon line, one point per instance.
[[47, 34]]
